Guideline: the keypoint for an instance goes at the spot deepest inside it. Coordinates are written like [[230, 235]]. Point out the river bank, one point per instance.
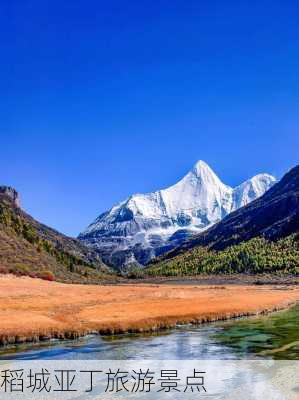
[[34, 310]]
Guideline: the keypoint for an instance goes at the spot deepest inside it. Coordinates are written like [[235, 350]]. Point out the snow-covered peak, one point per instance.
[[261, 182], [200, 197], [251, 189], [199, 190], [205, 174], [147, 222], [201, 167]]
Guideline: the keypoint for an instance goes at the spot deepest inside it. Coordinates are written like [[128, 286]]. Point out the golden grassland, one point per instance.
[[33, 309]]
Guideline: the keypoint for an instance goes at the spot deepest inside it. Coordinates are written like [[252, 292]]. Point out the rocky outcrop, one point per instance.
[[12, 194]]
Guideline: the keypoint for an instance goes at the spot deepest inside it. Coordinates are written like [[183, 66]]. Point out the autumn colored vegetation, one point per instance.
[[38, 310]]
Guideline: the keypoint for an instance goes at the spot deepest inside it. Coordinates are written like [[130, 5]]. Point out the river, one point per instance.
[[274, 336]]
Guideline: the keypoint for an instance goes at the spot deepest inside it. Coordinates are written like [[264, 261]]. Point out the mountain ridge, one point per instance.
[[28, 247], [146, 225], [259, 238], [273, 216]]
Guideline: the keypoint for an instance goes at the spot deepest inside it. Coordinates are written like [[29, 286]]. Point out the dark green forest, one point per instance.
[[255, 256]]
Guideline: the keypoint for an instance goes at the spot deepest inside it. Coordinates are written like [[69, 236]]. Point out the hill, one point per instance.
[[28, 247]]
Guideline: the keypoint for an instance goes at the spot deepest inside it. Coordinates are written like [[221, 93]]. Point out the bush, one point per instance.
[[20, 270], [135, 274], [46, 275], [3, 270]]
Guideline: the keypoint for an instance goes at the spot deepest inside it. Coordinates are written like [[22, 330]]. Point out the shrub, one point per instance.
[[135, 274], [3, 270], [46, 275], [20, 270]]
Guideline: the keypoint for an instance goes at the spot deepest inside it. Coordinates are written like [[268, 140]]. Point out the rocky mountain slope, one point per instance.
[[273, 216], [28, 247], [148, 225], [260, 237]]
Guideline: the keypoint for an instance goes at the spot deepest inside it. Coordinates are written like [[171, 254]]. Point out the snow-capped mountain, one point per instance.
[[147, 225]]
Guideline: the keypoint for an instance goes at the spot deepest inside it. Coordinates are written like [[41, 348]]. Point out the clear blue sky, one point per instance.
[[102, 99]]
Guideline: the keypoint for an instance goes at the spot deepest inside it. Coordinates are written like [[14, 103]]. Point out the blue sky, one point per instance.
[[104, 99]]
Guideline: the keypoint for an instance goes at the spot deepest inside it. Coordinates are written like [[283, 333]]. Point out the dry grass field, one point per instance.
[[33, 309]]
